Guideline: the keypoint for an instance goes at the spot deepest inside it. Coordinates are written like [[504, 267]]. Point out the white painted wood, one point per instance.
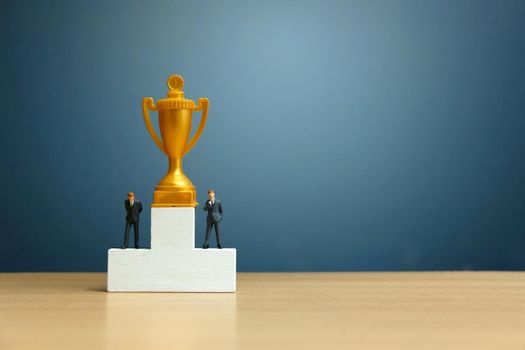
[[172, 228], [147, 270], [172, 264]]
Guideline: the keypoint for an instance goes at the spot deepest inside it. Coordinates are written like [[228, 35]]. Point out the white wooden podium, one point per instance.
[[173, 264]]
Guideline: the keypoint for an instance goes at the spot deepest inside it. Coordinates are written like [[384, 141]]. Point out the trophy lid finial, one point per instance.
[[175, 84], [175, 98]]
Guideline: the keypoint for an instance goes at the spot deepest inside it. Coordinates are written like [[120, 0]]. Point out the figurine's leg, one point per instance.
[[218, 234], [136, 230], [126, 235], [207, 238]]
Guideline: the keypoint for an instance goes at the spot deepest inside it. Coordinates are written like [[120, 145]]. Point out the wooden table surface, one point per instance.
[[428, 310]]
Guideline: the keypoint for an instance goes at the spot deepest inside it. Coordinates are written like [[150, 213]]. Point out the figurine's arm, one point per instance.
[[140, 207], [220, 208], [207, 206]]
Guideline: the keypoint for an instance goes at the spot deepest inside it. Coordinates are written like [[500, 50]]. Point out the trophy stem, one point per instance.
[[175, 166], [175, 189]]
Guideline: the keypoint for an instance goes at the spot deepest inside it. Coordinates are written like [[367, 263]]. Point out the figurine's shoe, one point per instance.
[[206, 246], [136, 247], [124, 246], [219, 246]]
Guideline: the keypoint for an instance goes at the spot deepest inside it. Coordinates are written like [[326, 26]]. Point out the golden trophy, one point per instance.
[[175, 117]]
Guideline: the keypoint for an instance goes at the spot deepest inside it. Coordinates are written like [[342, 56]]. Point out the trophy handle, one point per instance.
[[203, 105], [147, 104]]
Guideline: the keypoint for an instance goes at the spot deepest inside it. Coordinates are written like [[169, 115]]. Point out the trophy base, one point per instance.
[[172, 197]]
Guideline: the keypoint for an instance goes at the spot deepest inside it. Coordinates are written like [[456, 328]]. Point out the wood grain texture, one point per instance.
[[440, 310]]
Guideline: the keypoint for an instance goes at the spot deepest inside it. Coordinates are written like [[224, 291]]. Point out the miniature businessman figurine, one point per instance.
[[133, 209], [214, 208]]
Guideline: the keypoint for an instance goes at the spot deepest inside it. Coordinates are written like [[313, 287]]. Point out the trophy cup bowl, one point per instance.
[[175, 120]]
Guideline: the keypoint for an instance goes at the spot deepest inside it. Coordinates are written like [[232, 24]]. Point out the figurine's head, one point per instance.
[[131, 196], [211, 194]]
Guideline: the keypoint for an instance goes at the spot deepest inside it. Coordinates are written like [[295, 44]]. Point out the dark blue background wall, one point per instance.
[[343, 135]]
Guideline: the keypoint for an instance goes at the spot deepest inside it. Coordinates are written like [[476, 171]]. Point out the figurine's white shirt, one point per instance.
[[131, 203]]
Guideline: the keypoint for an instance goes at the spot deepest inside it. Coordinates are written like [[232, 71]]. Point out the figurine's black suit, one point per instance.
[[213, 219], [132, 218]]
